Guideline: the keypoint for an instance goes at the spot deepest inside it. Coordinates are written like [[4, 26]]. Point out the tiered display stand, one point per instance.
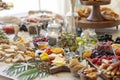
[[95, 19]]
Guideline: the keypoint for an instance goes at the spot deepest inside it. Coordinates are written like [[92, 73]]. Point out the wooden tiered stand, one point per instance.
[[95, 19]]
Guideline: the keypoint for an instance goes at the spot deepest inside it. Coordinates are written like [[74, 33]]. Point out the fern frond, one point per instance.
[[29, 74]]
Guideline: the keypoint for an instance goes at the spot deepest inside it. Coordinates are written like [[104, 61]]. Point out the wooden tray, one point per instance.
[[84, 23], [102, 75]]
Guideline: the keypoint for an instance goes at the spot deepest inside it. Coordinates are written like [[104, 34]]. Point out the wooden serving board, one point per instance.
[[84, 23], [57, 69], [102, 75]]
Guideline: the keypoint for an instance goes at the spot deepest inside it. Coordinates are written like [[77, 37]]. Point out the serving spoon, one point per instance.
[[115, 58], [16, 29]]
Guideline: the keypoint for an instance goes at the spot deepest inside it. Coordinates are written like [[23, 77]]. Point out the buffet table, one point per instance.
[[58, 76]]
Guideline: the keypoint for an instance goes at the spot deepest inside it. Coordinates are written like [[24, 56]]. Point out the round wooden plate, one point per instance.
[[84, 23], [105, 2]]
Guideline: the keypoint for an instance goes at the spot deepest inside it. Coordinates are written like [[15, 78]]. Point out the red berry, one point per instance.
[[110, 57], [94, 60], [99, 62], [46, 40]]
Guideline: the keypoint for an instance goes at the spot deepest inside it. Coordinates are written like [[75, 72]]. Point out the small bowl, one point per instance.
[[42, 45]]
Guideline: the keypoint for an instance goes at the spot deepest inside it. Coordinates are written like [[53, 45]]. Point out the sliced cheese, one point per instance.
[[58, 61], [21, 47]]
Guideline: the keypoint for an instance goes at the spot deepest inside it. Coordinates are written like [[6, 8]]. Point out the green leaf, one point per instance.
[[11, 68], [43, 74], [16, 69], [29, 74]]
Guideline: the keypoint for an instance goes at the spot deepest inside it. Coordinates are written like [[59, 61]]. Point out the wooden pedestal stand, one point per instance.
[[95, 19]]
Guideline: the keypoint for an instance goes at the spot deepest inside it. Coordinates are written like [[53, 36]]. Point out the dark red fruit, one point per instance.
[[99, 62], [110, 57], [118, 57], [94, 60]]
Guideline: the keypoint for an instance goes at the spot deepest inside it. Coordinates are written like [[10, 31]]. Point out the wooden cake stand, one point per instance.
[[95, 19], [95, 14]]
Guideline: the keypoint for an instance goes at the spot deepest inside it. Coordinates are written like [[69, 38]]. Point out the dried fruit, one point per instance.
[[87, 54], [117, 51]]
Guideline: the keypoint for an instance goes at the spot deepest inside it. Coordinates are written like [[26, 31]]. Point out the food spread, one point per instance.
[[87, 57]]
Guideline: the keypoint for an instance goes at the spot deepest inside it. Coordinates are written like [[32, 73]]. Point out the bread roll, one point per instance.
[[80, 12], [84, 12], [109, 14]]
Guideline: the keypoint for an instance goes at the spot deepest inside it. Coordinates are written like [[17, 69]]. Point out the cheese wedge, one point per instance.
[[58, 61]]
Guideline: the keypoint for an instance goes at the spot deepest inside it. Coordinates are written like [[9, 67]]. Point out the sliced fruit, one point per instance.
[[117, 51], [87, 54]]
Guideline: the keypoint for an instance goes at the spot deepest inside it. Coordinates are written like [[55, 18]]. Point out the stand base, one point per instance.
[[84, 23]]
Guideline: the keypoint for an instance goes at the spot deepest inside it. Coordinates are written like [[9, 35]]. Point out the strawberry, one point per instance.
[[94, 60], [99, 62]]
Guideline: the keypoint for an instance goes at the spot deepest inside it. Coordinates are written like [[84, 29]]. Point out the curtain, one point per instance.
[[20, 6], [57, 6]]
